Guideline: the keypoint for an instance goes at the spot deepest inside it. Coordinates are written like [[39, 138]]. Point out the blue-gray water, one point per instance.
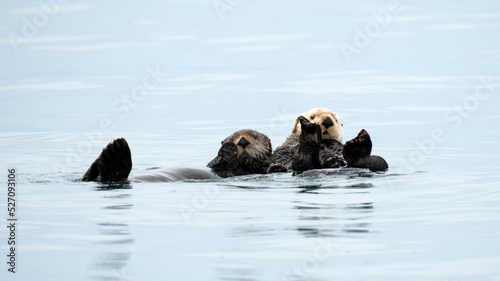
[[176, 77]]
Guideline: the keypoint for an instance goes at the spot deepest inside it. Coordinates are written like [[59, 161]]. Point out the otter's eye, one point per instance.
[[312, 117]]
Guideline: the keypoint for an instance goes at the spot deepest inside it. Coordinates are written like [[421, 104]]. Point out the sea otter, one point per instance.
[[243, 152], [330, 150], [316, 142]]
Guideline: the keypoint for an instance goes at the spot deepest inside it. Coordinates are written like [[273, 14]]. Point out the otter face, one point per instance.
[[250, 143], [331, 127]]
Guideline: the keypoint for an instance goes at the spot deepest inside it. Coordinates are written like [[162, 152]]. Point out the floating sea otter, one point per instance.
[[242, 153], [316, 142]]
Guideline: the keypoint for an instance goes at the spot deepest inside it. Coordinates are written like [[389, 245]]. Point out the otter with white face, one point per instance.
[[316, 142], [331, 127], [330, 150], [242, 153]]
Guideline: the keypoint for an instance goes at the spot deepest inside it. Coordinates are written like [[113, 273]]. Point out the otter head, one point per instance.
[[331, 127], [246, 143]]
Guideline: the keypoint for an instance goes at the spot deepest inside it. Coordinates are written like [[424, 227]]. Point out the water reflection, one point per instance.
[[333, 220], [113, 185], [116, 238], [320, 212], [313, 188]]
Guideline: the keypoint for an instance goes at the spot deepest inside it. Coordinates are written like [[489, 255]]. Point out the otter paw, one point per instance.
[[228, 151]]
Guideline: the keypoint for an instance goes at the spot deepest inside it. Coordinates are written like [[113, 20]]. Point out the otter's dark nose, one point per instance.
[[243, 142], [327, 123]]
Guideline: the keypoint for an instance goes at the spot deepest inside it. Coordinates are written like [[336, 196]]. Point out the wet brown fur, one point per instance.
[[242, 153], [307, 156], [330, 149]]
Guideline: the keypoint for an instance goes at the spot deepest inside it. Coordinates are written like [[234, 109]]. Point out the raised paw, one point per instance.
[[228, 151]]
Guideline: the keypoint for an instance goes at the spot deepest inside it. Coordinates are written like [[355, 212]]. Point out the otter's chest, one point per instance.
[[330, 155]]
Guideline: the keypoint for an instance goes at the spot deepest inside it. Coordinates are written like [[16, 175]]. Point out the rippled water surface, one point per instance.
[[176, 77]]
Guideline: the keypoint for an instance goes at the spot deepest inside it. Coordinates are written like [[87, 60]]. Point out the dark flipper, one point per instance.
[[358, 147], [113, 165], [357, 153]]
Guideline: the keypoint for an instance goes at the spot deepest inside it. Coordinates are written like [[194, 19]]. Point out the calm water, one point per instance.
[[176, 77]]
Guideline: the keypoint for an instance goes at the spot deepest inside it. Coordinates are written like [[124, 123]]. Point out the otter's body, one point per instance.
[[316, 143], [329, 142], [243, 152], [174, 174]]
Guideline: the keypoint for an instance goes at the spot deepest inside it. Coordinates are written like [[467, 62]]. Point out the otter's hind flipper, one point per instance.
[[357, 153], [113, 165]]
